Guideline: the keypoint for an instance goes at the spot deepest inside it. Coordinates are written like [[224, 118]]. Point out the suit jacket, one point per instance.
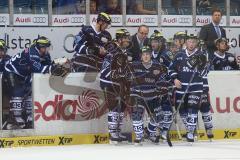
[[209, 35], [135, 49]]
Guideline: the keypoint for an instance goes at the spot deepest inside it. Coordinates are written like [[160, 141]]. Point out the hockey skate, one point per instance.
[[210, 134], [138, 142], [123, 138], [190, 137], [17, 123], [147, 136], [114, 140]]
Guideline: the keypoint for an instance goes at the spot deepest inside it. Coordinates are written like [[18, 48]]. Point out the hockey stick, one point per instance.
[[152, 115], [179, 105]]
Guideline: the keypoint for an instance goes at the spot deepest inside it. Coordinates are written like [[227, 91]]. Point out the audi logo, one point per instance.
[[69, 37], [39, 20], [3, 19], [184, 20], [149, 20], [116, 19], [77, 20]]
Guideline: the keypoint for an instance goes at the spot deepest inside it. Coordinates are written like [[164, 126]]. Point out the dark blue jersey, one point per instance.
[[3, 62], [145, 79], [226, 62], [88, 36], [26, 63], [180, 70], [164, 57]]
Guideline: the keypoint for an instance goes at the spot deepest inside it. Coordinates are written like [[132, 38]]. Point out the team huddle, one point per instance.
[[169, 76]]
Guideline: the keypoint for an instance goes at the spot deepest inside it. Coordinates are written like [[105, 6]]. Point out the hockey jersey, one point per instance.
[[3, 62], [164, 57], [180, 70], [26, 63], [88, 36], [146, 79], [107, 68], [226, 62]]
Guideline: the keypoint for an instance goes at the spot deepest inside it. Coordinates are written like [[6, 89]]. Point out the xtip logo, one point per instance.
[[64, 140], [100, 139], [229, 134], [201, 135], [5, 143]]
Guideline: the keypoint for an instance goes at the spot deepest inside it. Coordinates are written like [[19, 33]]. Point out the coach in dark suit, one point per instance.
[[138, 41], [210, 32]]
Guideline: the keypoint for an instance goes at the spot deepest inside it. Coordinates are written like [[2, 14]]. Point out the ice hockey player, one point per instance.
[[159, 52], [147, 86], [3, 55], [162, 56], [17, 78], [223, 60], [114, 84], [89, 45], [186, 71], [171, 47], [205, 106], [179, 39]]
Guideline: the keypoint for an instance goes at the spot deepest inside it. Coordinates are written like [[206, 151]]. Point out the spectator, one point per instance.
[[141, 7], [93, 7], [80, 7], [204, 6], [138, 41], [113, 7], [177, 6], [210, 32], [66, 6]]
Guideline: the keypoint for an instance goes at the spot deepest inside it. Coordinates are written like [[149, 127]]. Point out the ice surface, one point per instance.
[[216, 150]]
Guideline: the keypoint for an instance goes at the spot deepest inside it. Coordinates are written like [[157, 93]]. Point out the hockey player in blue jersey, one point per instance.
[[186, 71], [180, 39], [114, 84], [17, 78], [205, 106], [162, 56], [89, 45], [159, 52], [148, 84], [3, 55], [223, 60]]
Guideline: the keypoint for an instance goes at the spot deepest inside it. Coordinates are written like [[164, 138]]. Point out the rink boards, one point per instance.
[[65, 111]]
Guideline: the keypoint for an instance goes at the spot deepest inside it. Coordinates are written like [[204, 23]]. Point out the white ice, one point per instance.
[[216, 150]]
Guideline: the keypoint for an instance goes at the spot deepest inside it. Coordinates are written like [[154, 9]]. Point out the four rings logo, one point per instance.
[[149, 20], [184, 20], [77, 20], [3, 19], [116, 19], [39, 20]]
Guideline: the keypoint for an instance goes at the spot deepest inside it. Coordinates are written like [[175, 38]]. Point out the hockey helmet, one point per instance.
[[122, 33], [146, 49], [104, 17], [42, 42], [157, 36], [191, 36], [180, 35], [3, 46]]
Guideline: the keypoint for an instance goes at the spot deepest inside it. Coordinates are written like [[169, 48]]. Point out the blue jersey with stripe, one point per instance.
[[27, 62], [180, 70], [145, 79], [226, 62], [88, 36]]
